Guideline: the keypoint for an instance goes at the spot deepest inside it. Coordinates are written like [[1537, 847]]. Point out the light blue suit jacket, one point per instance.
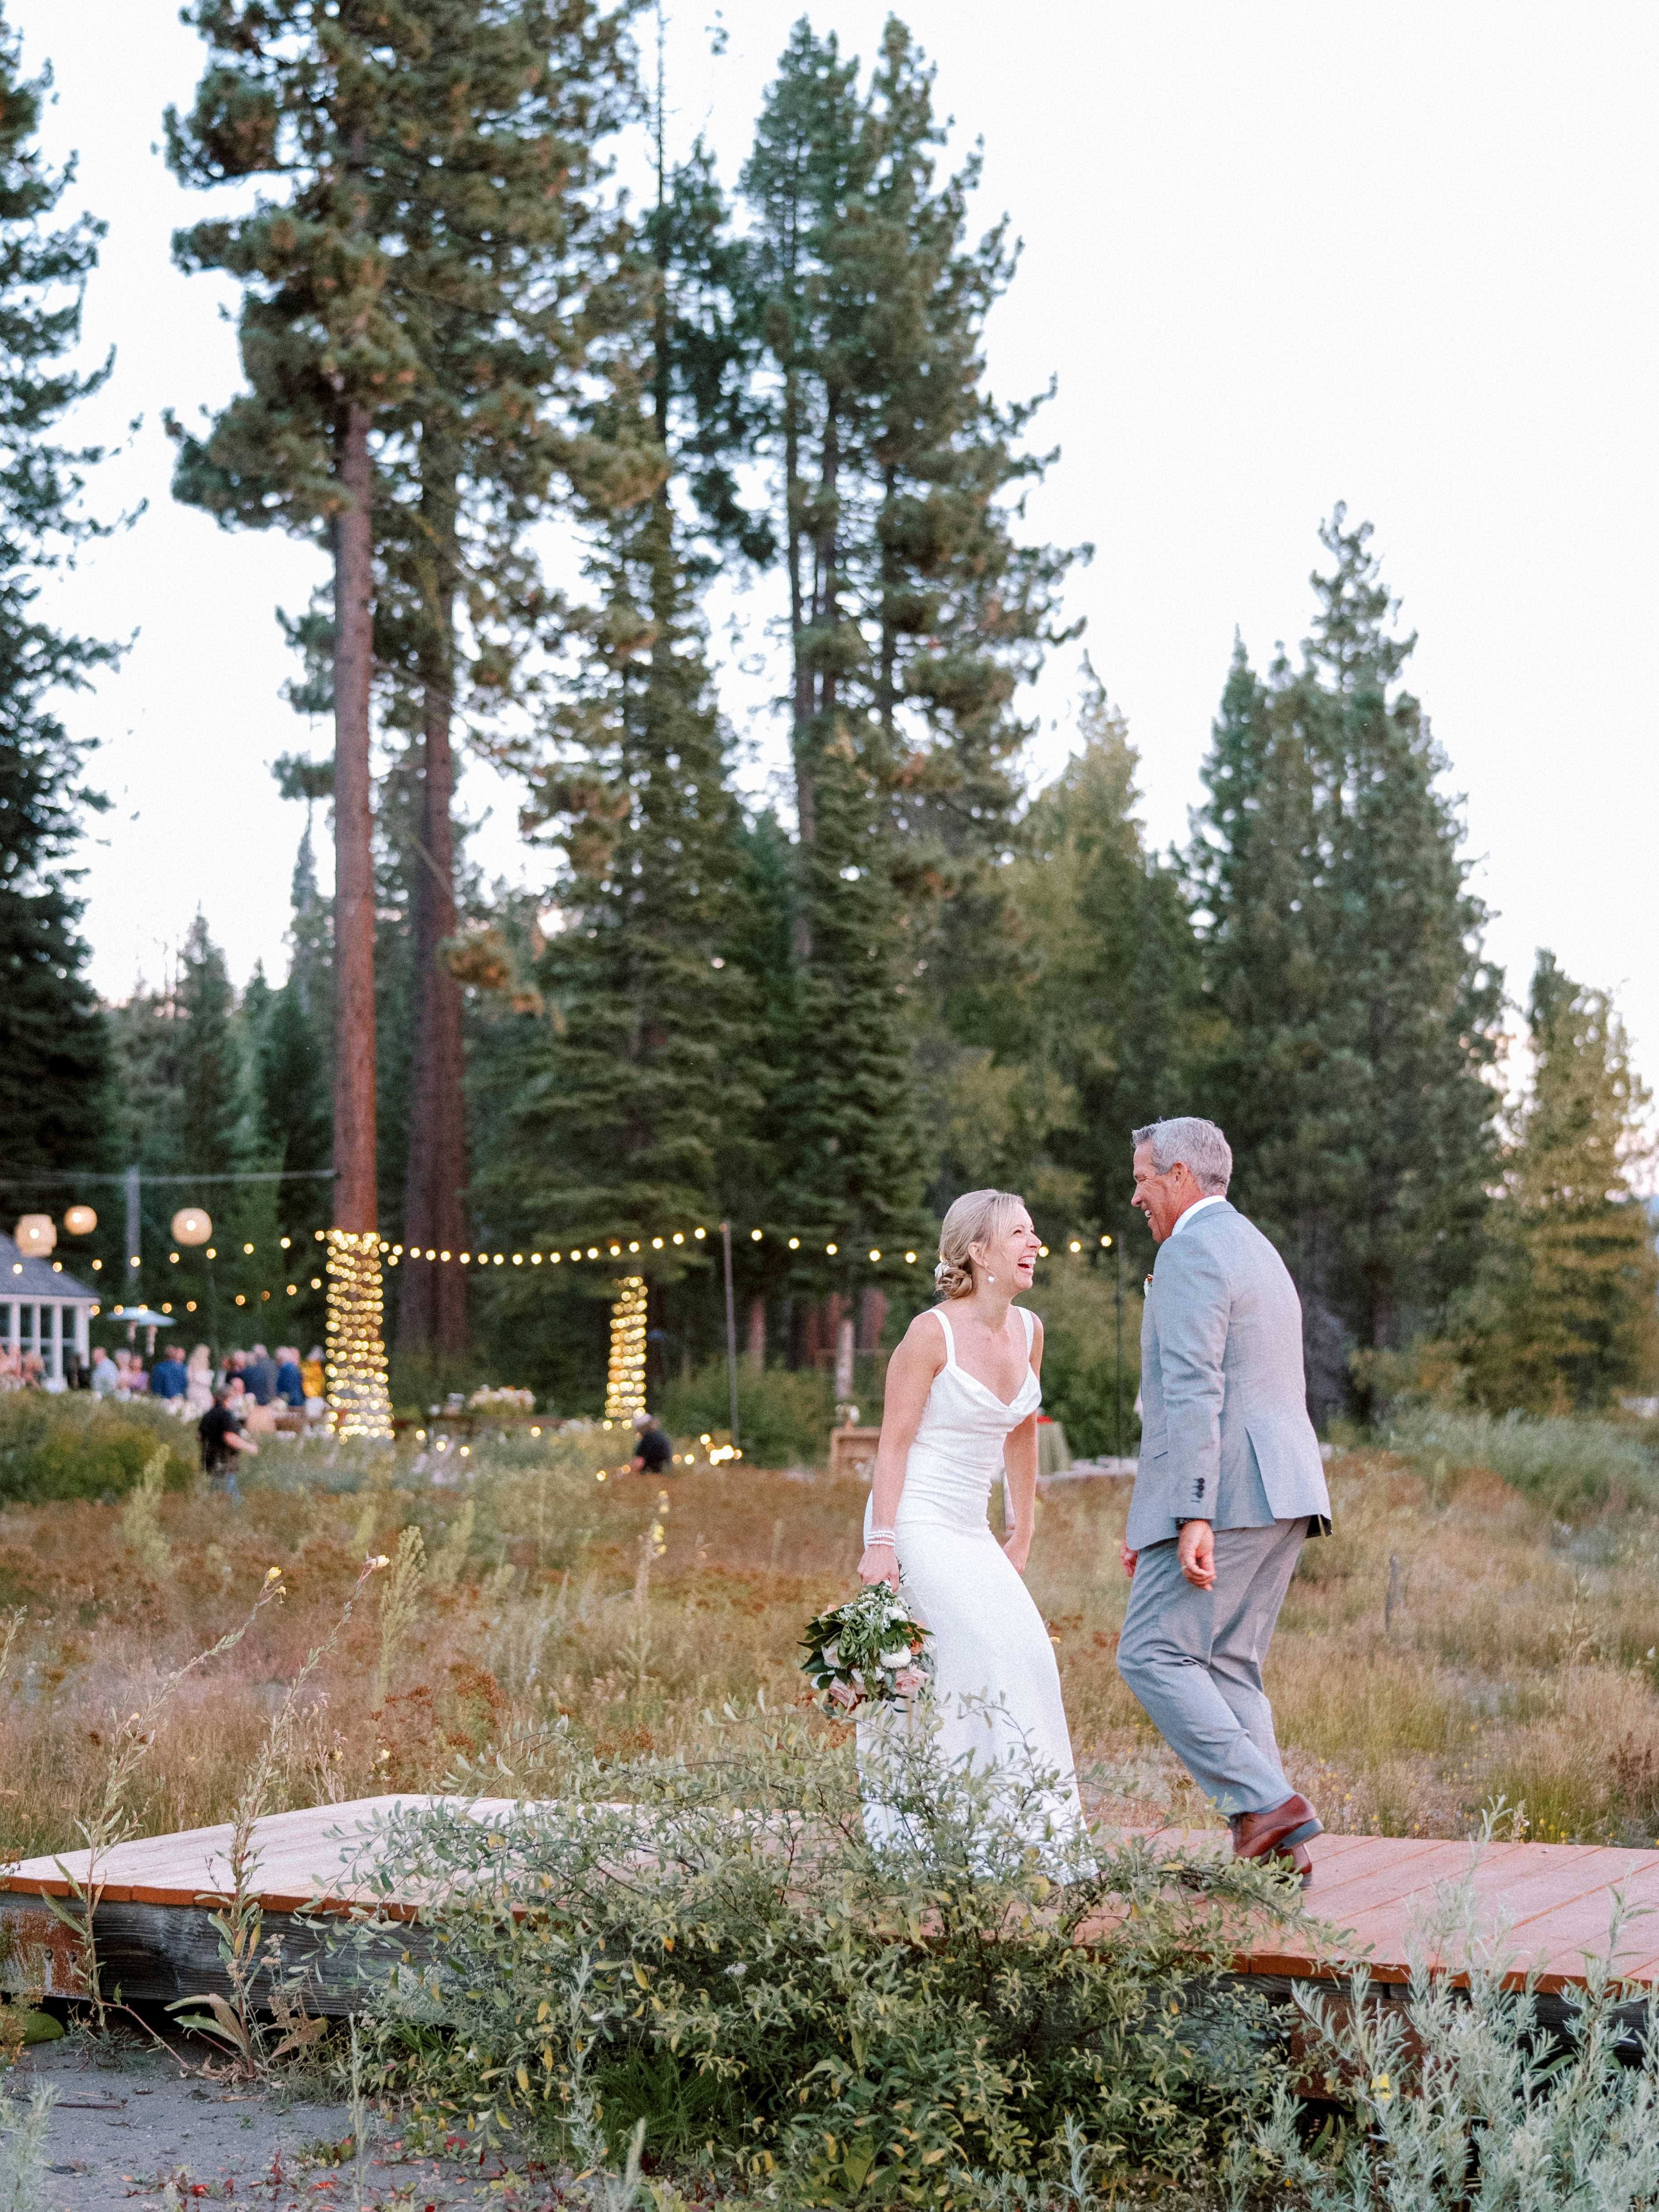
[[1224, 1433]]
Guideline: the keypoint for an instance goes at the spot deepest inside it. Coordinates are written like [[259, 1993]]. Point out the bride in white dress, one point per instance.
[[962, 1394]]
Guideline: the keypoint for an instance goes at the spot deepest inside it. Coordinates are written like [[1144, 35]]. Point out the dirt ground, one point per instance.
[[143, 2126]]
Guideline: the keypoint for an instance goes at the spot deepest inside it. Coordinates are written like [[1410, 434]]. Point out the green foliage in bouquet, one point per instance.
[[868, 1650], [715, 1950]]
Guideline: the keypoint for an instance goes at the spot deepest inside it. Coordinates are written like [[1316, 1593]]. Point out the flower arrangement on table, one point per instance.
[[868, 1651], [525, 1399]]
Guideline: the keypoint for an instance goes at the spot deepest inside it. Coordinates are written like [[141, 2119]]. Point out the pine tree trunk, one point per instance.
[[432, 1298], [757, 1334], [354, 1202], [805, 799]]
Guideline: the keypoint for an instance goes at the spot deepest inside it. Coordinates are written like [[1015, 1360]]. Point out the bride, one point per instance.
[[961, 1408]]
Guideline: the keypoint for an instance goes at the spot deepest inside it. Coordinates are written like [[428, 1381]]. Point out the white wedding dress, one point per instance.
[[995, 1698]]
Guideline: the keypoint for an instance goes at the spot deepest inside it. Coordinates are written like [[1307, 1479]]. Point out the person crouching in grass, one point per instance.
[[223, 1442]]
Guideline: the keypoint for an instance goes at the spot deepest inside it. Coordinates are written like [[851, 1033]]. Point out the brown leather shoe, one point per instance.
[[1283, 1832]]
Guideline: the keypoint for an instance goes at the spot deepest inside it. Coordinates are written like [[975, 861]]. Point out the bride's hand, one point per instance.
[[1018, 1548], [880, 1565]]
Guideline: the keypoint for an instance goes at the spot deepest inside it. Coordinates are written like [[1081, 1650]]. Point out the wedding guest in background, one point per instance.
[[261, 1376], [199, 1380], [290, 1383], [167, 1378], [312, 1374], [105, 1375]]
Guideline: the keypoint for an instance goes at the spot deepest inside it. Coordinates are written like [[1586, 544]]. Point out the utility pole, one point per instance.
[[132, 1292], [731, 1329]]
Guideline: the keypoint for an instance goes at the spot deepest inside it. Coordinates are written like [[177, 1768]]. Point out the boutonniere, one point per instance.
[[1146, 1285]]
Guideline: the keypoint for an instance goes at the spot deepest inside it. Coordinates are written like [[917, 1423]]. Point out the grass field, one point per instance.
[[1454, 1643]]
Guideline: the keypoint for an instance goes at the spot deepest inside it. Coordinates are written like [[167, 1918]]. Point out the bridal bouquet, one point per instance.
[[866, 1651]]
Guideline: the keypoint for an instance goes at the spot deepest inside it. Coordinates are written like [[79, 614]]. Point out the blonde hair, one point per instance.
[[974, 1219]]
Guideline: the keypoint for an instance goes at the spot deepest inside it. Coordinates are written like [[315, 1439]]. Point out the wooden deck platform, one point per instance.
[[158, 1893]]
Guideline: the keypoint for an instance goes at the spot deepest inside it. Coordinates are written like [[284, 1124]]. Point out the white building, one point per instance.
[[43, 1308]]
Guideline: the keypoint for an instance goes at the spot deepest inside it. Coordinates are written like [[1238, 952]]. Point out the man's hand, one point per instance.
[[1128, 1559], [1195, 1550]]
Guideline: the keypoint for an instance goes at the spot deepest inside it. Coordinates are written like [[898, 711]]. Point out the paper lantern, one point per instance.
[[79, 1221], [192, 1226], [36, 1234]]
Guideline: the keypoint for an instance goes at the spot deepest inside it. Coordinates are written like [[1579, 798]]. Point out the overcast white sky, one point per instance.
[[1277, 256]]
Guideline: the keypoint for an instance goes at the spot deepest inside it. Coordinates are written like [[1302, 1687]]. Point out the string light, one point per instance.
[[624, 1389], [391, 1255], [358, 1399]]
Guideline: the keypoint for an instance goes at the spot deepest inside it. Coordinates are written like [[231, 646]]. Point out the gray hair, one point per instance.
[[1200, 1144]]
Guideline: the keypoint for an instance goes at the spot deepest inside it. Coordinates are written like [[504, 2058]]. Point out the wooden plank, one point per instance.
[[1368, 1893]]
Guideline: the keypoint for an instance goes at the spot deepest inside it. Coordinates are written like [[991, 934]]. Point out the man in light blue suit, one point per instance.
[[1229, 1485]]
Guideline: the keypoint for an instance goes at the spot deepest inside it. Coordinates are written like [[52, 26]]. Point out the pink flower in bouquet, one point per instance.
[[908, 1680], [844, 1693]]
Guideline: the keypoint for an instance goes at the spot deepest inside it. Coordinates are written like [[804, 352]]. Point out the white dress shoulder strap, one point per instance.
[[1030, 1329], [938, 1312]]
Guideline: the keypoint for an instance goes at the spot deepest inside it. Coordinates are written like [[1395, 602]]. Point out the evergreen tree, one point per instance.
[[856, 1163], [187, 1118], [1342, 951], [912, 613], [1096, 1029], [1566, 1317], [406, 306], [53, 1044], [632, 1107], [212, 1072], [293, 1046]]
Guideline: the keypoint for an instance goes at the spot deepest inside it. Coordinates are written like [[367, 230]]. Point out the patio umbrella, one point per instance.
[[137, 1317]]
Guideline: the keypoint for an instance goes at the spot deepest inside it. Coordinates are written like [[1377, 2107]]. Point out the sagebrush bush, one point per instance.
[[714, 1948], [1463, 2097], [1568, 1463], [75, 1445]]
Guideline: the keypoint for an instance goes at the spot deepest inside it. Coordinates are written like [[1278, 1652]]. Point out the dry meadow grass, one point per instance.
[[1515, 1659]]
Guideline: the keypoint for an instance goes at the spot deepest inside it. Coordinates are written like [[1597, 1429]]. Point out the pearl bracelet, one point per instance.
[[884, 1536]]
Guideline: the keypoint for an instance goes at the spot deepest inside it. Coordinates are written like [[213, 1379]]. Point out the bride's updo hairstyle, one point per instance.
[[977, 1217]]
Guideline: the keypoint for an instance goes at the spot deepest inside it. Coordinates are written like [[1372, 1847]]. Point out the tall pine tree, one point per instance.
[[913, 612], [294, 1047], [1565, 1317], [53, 1046], [633, 1104], [1343, 953], [1098, 1026], [407, 309]]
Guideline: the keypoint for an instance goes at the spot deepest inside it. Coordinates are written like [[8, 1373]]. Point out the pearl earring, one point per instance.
[[990, 1279]]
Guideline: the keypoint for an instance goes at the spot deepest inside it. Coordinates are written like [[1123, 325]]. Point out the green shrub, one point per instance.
[[1080, 1380], [76, 1446], [784, 1414], [1569, 1463], [717, 1951]]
